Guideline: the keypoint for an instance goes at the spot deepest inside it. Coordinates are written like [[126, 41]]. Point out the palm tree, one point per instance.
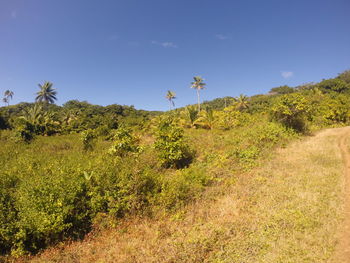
[[46, 94], [171, 96], [8, 94], [242, 102], [198, 84], [5, 100]]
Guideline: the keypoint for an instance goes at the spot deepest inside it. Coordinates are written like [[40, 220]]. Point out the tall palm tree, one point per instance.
[[170, 96], [5, 100], [8, 94], [242, 102], [46, 94], [198, 84]]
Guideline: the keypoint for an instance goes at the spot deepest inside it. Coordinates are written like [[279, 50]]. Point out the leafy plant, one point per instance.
[[124, 142], [172, 149], [291, 110], [87, 138]]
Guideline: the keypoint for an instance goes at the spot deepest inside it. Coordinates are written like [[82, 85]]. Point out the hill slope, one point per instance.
[[288, 210]]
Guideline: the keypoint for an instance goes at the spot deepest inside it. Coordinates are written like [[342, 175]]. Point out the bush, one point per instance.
[[291, 110], [3, 123], [229, 118], [124, 143], [173, 151], [8, 212], [125, 186], [181, 188], [88, 137], [49, 210], [25, 132]]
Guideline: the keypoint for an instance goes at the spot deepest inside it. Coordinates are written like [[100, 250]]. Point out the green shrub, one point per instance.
[[50, 208], [88, 137], [8, 212], [25, 132], [125, 186], [335, 110], [181, 188], [291, 110], [172, 150], [124, 142]]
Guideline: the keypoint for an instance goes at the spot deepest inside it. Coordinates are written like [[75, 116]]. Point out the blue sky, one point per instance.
[[132, 51]]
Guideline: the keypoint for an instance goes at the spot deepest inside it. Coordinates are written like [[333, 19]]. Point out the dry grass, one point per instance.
[[288, 210]]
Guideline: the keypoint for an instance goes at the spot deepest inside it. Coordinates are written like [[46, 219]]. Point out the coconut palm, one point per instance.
[[5, 100], [46, 94], [242, 102], [170, 96], [198, 85], [8, 94]]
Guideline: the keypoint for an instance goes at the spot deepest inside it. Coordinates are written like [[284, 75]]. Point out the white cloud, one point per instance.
[[164, 44], [14, 14], [222, 37], [287, 74]]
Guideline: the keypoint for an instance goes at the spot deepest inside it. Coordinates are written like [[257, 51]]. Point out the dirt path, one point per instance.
[[343, 249]]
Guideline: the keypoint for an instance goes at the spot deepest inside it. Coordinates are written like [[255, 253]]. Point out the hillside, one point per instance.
[[288, 210], [81, 176]]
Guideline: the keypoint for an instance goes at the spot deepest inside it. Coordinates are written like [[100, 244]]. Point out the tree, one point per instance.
[[198, 85], [46, 94], [282, 90], [8, 94], [291, 110], [171, 96], [6, 101], [336, 85], [345, 76], [173, 151], [241, 102]]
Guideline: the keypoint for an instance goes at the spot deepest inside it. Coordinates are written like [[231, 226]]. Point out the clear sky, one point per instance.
[[132, 51]]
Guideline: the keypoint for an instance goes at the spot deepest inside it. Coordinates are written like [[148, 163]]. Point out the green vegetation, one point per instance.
[[172, 150], [68, 169]]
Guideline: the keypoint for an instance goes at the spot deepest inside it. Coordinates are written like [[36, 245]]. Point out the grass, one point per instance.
[[287, 210]]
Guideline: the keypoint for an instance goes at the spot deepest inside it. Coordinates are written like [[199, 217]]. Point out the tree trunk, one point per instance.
[[199, 104]]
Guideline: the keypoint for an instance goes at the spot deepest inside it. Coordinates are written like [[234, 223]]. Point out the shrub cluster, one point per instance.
[[172, 149]]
